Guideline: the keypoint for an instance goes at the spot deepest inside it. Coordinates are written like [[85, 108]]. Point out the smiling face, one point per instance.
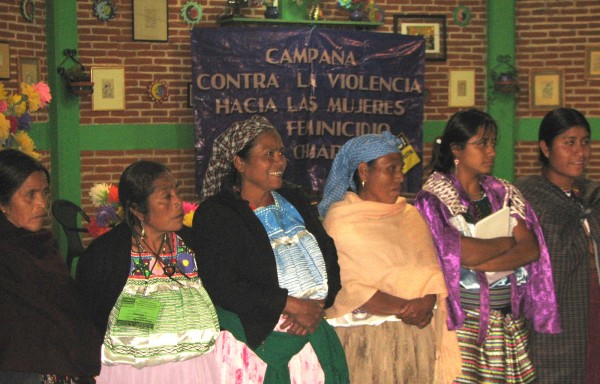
[[165, 211], [567, 156], [28, 206], [477, 157], [383, 178], [262, 171]]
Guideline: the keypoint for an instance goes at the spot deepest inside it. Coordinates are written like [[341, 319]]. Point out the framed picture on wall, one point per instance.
[[547, 90], [150, 20], [109, 88], [461, 88], [29, 70], [431, 27], [592, 63], [4, 61]]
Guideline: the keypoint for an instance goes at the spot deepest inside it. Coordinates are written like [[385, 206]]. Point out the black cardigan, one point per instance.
[[237, 264], [103, 269]]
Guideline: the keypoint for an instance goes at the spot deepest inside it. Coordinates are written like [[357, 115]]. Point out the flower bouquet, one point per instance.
[[15, 118], [109, 212]]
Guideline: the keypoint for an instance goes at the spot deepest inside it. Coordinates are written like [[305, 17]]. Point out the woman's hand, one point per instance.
[[302, 316], [418, 312]]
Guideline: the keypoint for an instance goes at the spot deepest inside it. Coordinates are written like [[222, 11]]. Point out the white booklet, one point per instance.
[[495, 225]]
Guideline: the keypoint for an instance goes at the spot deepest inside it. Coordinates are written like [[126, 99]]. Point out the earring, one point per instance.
[[143, 229], [456, 162], [362, 183]]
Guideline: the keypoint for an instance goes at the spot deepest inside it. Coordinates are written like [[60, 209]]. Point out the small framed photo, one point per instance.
[[109, 88], [592, 63], [150, 20], [547, 89], [4, 61], [431, 27], [190, 95], [461, 88], [29, 70]]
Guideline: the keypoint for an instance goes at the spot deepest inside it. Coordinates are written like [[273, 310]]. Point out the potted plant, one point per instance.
[[78, 81]]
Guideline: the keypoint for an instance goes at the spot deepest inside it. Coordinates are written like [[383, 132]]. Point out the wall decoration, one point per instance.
[[104, 10], [150, 20], [504, 76], [461, 88], [462, 15], [431, 27], [29, 70], [592, 63], [4, 61], [28, 9], [547, 90], [158, 90], [190, 95], [192, 12], [109, 88], [77, 81]]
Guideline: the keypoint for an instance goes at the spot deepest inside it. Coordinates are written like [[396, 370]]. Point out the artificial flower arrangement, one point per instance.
[[109, 212], [15, 118]]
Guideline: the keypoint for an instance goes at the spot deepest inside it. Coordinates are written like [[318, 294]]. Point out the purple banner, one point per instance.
[[320, 87]]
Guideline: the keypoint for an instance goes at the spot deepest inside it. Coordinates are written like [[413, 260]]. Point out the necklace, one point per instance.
[[169, 266], [141, 266]]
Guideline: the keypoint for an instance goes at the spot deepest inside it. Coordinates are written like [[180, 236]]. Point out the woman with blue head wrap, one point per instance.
[[386, 310], [361, 149]]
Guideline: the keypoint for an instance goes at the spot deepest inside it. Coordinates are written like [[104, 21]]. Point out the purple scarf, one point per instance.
[[535, 299]]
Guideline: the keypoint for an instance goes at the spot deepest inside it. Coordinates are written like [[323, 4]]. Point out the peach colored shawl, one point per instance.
[[388, 247]]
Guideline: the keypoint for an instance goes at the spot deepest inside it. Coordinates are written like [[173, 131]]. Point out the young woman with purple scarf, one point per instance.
[[487, 309]]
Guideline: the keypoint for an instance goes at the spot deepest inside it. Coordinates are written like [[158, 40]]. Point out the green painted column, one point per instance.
[[63, 121], [501, 32]]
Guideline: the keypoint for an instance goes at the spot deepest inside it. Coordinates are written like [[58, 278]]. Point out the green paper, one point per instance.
[[139, 311]]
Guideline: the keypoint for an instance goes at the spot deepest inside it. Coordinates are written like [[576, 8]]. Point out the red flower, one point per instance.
[[14, 123], [113, 194], [95, 230]]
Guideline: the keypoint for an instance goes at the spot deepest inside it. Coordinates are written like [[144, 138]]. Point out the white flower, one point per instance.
[[99, 194]]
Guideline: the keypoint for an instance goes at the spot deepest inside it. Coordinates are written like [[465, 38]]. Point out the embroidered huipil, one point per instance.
[[187, 324], [300, 264]]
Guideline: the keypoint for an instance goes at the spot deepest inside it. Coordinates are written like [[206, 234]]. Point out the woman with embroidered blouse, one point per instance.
[[496, 281], [142, 288], [267, 263]]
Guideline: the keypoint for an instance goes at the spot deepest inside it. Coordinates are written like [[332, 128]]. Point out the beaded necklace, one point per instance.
[[169, 266]]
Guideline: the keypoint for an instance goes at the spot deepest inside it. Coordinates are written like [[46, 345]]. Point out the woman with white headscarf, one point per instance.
[[390, 313]]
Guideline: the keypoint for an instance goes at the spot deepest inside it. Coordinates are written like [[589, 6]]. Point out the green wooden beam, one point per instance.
[[63, 120], [501, 34]]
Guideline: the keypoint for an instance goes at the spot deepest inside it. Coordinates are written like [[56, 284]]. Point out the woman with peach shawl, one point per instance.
[[390, 314]]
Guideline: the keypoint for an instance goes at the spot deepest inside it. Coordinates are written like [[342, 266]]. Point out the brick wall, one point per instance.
[[27, 40], [110, 44], [550, 34], [107, 166], [554, 35]]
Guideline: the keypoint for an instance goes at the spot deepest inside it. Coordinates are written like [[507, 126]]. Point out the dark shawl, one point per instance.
[[237, 264], [44, 328], [561, 358]]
